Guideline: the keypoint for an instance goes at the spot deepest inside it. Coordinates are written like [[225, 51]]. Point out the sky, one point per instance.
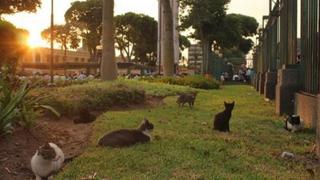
[[36, 22]]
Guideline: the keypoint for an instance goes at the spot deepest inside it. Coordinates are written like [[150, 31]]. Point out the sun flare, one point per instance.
[[35, 40]]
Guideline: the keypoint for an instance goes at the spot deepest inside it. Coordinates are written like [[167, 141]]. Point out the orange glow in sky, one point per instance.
[[36, 22]]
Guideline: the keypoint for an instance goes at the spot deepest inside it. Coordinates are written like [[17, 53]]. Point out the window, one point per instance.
[[76, 59], [82, 59]]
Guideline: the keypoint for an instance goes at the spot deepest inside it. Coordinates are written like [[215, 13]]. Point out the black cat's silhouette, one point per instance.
[[85, 116], [127, 137], [222, 119]]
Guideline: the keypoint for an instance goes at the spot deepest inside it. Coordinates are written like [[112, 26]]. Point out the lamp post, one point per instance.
[[51, 44]]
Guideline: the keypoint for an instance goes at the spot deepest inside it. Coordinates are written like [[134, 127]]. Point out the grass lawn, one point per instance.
[[187, 148]]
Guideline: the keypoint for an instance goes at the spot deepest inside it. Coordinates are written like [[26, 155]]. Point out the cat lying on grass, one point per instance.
[[127, 137]]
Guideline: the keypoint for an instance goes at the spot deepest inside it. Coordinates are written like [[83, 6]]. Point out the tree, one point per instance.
[[235, 32], [108, 64], [63, 35], [184, 42], [86, 17], [14, 6], [168, 47], [12, 45], [204, 16], [136, 37]]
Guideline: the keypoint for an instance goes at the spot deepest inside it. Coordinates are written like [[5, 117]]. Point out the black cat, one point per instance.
[[293, 123], [222, 119], [85, 116], [127, 137], [187, 98]]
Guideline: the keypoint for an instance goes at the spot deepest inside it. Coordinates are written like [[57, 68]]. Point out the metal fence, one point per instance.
[[278, 41], [310, 46]]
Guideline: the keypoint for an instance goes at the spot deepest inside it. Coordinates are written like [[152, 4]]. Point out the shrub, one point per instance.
[[196, 81], [93, 96], [9, 105]]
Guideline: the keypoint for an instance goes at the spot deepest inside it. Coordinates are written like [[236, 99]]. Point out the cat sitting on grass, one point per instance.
[[127, 137], [187, 98], [222, 119], [46, 161]]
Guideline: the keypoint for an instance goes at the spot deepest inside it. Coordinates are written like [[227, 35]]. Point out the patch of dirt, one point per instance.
[[17, 149]]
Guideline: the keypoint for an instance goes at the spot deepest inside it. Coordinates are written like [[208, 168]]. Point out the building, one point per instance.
[[175, 10], [195, 57], [37, 60]]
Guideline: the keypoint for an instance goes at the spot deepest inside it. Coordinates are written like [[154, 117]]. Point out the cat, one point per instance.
[[293, 123], [222, 119], [47, 160], [85, 116], [187, 98], [127, 137]]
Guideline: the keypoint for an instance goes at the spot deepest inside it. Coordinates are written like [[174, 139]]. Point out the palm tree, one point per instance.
[[168, 47], [108, 64]]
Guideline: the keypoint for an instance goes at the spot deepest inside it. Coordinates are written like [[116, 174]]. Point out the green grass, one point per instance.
[[189, 149]]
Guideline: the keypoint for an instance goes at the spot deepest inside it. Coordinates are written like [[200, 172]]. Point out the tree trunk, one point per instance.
[[205, 55], [168, 49], [108, 64]]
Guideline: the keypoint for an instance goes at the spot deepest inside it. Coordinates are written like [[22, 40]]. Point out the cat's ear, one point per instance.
[[225, 103], [233, 103], [145, 120]]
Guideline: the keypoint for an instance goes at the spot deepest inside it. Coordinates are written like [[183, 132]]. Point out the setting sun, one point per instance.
[[35, 40]]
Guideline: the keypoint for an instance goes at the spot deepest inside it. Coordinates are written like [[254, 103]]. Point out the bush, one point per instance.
[[196, 81], [9, 105], [93, 96]]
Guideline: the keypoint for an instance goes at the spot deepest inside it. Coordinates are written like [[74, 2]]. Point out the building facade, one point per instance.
[[195, 57]]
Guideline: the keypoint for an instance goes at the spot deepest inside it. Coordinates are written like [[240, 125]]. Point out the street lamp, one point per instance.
[[51, 44]]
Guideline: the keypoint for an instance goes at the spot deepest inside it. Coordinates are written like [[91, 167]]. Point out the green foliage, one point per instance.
[[9, 105], [12, 44], [14, 6], [204, 16], [136, 37], [94, 96], [196, 81], [86, 17], [235, 31], [184, 146], [64, 35], [184, 42]]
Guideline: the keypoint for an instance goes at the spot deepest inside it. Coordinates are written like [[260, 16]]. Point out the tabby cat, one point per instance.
[[187, 98]]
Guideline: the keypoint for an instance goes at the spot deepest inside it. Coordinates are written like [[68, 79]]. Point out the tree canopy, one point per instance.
[[235, 32], [14, 6], [86, 17], [13, 43], [136, 37], [204, 17], [64, 35]]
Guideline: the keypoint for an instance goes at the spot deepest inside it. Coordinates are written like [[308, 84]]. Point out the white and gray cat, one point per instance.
[[293, 123], [47, 160]]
